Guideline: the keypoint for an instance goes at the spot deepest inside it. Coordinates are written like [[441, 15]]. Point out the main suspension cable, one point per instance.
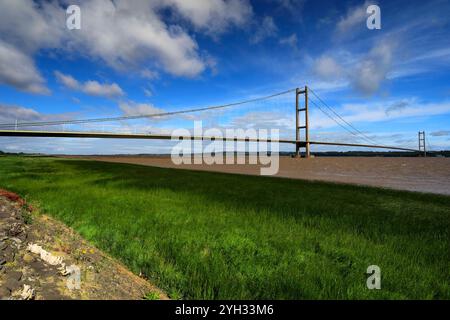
[[155, 115]]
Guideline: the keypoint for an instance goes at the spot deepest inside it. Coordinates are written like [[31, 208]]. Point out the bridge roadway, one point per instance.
[[104, 135]]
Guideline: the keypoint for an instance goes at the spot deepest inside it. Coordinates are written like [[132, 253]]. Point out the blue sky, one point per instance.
[[134, 57]]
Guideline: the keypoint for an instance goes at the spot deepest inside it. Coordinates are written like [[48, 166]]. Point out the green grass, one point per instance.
[[221, 236]]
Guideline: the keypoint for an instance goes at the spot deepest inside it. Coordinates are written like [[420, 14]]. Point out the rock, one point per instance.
[[11, 284], [15, 275], [8, 254], [28, 258], [27, 292], [16, 240], [63, 271], [45, 255], [2, 262], [15, 229], [4, 292]]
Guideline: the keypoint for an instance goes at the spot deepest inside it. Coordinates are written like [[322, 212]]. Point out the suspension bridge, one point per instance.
[[231, 114]]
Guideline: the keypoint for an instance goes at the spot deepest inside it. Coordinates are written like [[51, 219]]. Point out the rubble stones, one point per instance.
[[25, 274]]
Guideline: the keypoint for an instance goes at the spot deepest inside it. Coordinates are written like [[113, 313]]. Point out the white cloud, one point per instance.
[[397, 106], [10, 113], [149, 74], [355, 16], [31, 26], [124, 34], [364, 72], [441, 54], [378, 112], [328, 85], [67, 80], [267, 28], [137, 109], [291, 7], [213, 16], [18, 70], [148, 91], [374, 68], [291, 41], [90, 87], [75, 99], [441, 133], [94, 88], [327, 68], [26, 27]]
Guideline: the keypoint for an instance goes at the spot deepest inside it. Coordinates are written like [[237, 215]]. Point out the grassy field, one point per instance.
[[212, 235]]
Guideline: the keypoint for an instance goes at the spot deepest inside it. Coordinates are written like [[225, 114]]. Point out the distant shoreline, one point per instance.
[[443, 153]]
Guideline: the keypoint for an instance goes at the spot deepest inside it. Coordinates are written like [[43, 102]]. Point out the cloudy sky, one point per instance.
[[139, 57]]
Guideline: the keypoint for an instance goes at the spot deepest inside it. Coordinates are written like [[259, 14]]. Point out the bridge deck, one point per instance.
[[103, 135]]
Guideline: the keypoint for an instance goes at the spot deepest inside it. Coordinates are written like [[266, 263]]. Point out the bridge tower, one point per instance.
[[298, 126], [422, 145]]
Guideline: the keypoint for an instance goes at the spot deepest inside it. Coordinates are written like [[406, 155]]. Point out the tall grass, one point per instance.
[[221, 236]]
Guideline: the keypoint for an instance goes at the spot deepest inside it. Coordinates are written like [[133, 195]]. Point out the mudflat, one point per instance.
[[413, 174]]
